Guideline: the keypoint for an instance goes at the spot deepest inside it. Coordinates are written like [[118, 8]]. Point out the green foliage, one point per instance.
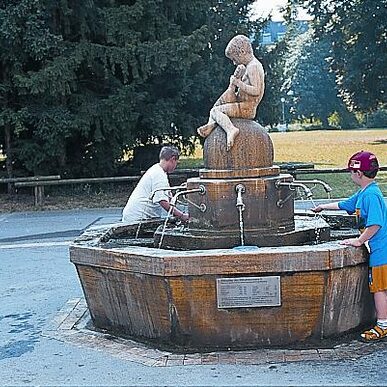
[[83, 81], [276, 59], [377, 119], [356, 30], [315, 93]]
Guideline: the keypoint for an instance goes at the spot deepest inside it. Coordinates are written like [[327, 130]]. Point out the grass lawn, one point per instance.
[[325, 149], [332, 149], [328, 148]]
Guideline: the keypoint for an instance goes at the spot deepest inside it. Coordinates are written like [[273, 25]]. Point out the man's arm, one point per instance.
[[175, 212]]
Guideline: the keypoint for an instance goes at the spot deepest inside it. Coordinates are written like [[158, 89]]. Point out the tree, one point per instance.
[[273, 61], [24, 41], [84, 80], [356, 30], [307, 73]]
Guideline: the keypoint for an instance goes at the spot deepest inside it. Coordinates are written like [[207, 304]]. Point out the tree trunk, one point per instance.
[[8, 160], [7, 137], [325, 123]]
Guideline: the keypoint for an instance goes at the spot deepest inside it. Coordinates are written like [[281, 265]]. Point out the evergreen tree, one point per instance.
[[84, 80], [25, 42]]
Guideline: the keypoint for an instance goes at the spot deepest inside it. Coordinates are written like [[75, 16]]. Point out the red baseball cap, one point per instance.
[[363, 161]]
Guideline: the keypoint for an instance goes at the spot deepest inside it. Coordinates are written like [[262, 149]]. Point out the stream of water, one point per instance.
[[165, 225]]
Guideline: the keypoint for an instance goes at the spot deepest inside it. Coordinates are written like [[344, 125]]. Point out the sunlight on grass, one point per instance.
[[325, 149], [328, 148]]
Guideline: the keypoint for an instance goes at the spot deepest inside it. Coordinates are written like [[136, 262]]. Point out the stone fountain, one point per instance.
[[245, 272]]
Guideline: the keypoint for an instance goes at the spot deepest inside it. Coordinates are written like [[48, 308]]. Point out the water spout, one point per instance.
[[174, 188], [295, 184], [325, 185], [201, 190], [240, 189]]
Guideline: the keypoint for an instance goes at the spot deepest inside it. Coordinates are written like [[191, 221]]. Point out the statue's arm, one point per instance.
[[255, 76]]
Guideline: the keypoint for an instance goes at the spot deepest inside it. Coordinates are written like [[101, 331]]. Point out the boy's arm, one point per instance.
[[327, 206], [368, 233]]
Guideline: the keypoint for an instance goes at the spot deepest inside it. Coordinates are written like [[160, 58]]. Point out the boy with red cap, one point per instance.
[[371, 212]]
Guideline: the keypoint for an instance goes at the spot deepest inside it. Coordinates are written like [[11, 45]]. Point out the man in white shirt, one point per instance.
[[141, 205]]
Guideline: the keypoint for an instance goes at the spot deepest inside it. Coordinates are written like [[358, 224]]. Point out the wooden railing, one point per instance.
[[39, 182], [12, 181]]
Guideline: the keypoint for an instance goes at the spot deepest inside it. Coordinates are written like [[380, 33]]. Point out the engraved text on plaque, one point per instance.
[[248, 292]]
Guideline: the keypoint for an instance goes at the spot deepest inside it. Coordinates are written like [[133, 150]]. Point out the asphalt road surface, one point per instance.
[[37, 279]]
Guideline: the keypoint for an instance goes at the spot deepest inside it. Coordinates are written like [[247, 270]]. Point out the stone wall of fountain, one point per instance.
[[177, 298]]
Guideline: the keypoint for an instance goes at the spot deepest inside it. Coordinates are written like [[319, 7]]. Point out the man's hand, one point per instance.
[[184, 217]]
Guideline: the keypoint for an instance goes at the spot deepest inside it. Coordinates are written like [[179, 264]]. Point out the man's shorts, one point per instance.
[[377, 278]]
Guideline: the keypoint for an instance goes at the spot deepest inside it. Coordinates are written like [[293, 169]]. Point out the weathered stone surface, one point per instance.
[[171, 296], [253, 148]]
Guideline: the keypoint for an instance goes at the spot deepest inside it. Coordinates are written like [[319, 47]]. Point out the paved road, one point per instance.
[[36, 281]]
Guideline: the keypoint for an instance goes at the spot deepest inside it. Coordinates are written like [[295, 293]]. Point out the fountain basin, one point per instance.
[[304, 231], [191, 298]]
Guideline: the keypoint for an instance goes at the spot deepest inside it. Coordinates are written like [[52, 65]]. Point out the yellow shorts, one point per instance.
[[377, 278]]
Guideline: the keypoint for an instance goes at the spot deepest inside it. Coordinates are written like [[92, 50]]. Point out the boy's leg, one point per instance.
[[205, 130], [222, 114], [227, 97], [378, 286], [380, 299]]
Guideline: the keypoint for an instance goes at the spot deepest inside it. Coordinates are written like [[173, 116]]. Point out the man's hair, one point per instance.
[[167, 152]]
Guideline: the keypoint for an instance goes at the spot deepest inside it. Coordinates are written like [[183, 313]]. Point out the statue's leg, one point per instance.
[[206, 129], [219, 114], [228, 96]]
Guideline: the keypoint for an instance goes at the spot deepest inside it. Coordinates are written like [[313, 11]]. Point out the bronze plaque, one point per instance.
[[248, 292]]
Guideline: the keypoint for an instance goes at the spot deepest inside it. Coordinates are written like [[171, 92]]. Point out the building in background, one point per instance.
[[276, 30]]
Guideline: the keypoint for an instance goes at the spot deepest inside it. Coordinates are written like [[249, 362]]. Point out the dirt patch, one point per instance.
[[23, 202]]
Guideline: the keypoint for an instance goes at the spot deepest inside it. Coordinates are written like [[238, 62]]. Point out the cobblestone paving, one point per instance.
[[70, 323]]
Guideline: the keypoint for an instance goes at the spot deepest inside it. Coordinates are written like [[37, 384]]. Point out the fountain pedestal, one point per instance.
[[268, 212]]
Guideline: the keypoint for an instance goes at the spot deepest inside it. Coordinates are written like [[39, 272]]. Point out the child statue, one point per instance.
[[244, 91]]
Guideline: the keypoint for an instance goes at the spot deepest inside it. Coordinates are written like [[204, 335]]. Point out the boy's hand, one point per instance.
[[317, 209], [235, 81], [351, 242]]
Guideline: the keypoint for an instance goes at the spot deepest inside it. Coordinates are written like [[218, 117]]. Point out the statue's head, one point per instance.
[[239, 50]]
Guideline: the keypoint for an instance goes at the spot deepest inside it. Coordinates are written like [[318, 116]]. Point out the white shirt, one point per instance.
[[139, 206]]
